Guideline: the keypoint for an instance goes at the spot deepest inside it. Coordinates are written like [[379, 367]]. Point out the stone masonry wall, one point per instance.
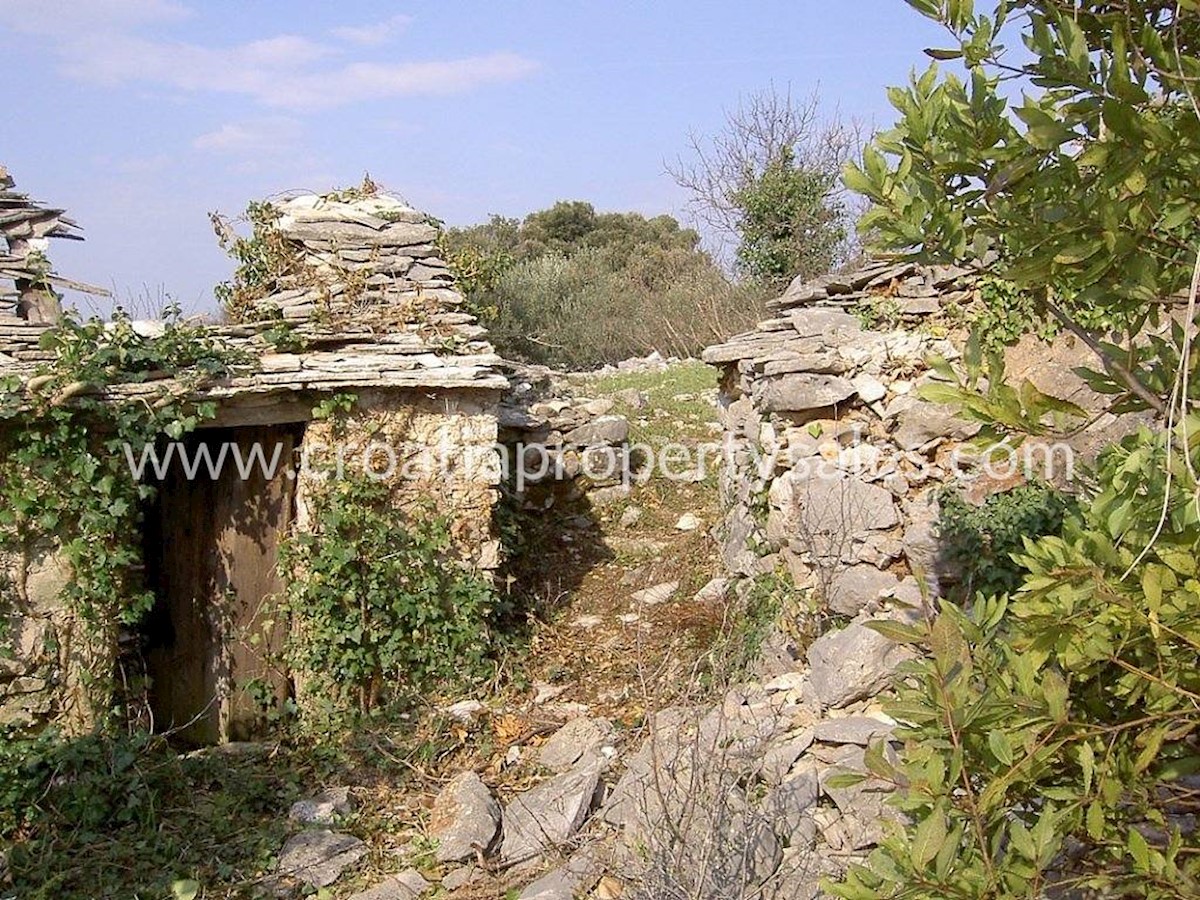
[[441, 448]]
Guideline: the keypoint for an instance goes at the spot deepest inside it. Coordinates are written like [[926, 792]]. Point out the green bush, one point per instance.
[[582, 311], [1049, 735], [572, 287], [979, 541], [378, 603]]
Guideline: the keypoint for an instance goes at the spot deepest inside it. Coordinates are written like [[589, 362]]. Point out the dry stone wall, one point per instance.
[[358, 303], [369, 255], [836, 461]]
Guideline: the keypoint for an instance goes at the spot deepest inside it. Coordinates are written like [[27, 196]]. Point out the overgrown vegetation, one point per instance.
[[65, 480], [1051, 731], [571, 287], [378, 604], [979, 542]]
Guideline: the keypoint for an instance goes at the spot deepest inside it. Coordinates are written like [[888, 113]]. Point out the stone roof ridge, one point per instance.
[[874, 277], [812, 314]]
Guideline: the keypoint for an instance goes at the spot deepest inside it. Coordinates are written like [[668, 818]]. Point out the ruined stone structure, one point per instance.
[[371, 312], [837, 460]]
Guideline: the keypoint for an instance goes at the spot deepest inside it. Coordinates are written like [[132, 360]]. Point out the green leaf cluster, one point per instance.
[[64, 475], [1052, 734], [978, 542], [379, 605], [790, 220], [1067, 165]]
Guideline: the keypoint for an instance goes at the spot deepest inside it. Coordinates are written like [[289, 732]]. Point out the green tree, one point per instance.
[[791, 221], [768, 185], [1051, 731], [573, 287]]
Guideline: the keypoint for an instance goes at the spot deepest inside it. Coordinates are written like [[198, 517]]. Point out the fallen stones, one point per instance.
[[464, 710], [319, 857], [713, 592], [324, 809], [850, 664], [549, 814], [575, 740], [567, 882], [465, 819], [606, 430], [408, 885], [653, 596]]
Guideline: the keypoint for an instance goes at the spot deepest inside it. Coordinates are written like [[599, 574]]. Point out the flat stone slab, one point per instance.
[[653, 596], [408, 885], [465, 819], [319, 857], [861, 730], [549, 815], [572, 742]]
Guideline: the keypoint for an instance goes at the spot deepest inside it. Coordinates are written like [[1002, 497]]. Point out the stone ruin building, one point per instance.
[[827, 427], [372, 312]]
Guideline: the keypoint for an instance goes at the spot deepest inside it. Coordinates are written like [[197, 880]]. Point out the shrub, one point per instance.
[[979, 541], [379, 604], [1051, 736], [572, 287], [587, 309]]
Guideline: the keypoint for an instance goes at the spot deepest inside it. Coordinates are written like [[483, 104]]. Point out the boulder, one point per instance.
[[550, 814], [465, 819], [319, 857], [851, 664], [852, 589]]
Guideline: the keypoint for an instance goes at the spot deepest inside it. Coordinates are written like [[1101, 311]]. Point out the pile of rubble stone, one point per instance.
[[359, 256]]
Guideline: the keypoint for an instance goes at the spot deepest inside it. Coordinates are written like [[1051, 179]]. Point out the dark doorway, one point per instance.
[[213, 639]]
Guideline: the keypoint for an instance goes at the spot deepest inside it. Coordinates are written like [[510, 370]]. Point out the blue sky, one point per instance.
[[140, 116]]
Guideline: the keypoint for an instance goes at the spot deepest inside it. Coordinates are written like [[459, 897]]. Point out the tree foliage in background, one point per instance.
[[769, 182], [572, 287], [1052, 733]]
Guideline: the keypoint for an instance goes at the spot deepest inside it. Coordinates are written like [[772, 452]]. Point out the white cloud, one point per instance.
[[265, 136], [64, 17], [98, 42], [373, 35]]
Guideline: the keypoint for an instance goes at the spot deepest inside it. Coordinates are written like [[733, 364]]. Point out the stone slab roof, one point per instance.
[[789, 343]]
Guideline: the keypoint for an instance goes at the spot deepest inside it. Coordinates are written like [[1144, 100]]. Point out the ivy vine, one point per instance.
[[65, 480]]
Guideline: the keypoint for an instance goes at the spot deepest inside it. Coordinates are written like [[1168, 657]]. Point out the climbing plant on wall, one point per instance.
[[380, 606], [66, 483]]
